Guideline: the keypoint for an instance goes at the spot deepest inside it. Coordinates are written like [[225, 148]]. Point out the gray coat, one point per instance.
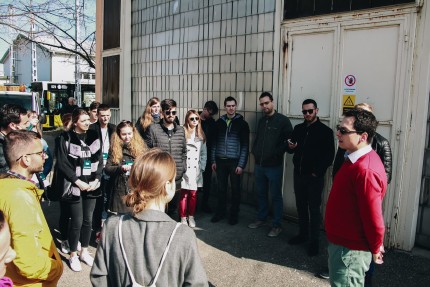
[[174, 143], [145, 237]]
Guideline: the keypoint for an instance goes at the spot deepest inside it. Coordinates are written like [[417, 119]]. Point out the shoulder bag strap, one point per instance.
[[164, 254], [123, 251]]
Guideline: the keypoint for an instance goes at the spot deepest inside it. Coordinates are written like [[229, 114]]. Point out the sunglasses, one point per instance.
[[344, 131], [310, 111], [194, 119], [170, 112]]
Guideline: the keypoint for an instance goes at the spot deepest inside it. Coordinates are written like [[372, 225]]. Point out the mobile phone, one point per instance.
[[291, 142]]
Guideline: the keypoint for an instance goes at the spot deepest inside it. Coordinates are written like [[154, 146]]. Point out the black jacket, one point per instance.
[[96, 127], [173, 143], [271, 139], [118, 185], [315, 148], [70, 161], [379, 144]]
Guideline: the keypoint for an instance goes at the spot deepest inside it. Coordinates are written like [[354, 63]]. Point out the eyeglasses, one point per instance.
[[41, 153], [344, 131], [194, 119], [310, 111], [170, 112]]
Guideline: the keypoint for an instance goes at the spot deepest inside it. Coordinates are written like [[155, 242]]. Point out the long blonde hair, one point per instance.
[[136, 147], [148, 177], [199, 131], [146, 118]]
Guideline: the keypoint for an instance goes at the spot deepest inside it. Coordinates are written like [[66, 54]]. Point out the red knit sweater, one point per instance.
[[353, 217]]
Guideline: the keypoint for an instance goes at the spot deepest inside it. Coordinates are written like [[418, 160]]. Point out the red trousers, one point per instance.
[[187, 202]]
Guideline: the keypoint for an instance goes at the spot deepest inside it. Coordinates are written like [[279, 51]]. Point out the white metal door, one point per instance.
[[318, 59]]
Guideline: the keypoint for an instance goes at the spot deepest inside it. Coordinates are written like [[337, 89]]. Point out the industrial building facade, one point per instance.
[[368, 51]]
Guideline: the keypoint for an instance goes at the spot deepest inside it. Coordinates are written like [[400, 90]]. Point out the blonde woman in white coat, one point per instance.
[[196, 163]]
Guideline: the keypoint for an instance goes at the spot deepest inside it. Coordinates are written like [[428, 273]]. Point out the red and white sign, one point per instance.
[[349, 87]]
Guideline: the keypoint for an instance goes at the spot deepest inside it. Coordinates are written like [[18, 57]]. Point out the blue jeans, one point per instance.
[[269, 179]]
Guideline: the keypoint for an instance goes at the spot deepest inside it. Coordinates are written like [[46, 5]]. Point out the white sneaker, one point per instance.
[[65, 248], [184, 220], [75, 264], [86, 258], [191, 221]]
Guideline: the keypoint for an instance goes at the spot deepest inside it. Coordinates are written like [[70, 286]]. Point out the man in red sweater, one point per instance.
[[354, 222]]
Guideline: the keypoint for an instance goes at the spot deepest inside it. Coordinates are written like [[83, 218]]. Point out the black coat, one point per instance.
[[118, 182], [315, 148], [379, 144], [271, 139]]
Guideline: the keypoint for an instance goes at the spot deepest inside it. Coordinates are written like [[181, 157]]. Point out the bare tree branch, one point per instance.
[[55, 25]]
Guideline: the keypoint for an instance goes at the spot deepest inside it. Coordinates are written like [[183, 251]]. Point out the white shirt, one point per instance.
[[353, 157]]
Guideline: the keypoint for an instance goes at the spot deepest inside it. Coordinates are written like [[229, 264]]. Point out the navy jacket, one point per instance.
[[231, 142]]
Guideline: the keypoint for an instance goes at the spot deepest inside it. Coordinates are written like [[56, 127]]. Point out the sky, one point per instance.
[[90, 4]]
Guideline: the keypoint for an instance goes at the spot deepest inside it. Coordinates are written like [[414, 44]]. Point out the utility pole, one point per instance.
[[77, 58], [11, 48], [33, 47]]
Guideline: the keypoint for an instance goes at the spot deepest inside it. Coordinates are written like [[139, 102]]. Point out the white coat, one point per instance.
[[196, 163]]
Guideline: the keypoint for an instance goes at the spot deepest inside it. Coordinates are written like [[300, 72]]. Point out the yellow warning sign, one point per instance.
[[348, 101]]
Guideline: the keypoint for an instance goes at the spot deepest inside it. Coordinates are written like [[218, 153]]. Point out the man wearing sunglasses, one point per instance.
[[312, 143], [229, 157], [354, 221], [37, 261], [170, 137]]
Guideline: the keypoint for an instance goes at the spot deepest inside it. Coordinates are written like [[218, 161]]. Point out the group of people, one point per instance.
[[132, 174]]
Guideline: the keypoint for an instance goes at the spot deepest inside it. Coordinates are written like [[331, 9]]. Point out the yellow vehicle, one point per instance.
[[55, 95]]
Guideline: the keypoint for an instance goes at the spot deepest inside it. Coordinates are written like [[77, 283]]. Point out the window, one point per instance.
[[110, 91], [111, 24], [302, 8]]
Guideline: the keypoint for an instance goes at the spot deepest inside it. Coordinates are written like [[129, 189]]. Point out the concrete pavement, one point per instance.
[[239, 256]]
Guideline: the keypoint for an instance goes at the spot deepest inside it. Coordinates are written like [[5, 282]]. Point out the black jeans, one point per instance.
[[101, 204], [81, 214], [207, 183], [225, 168], [308, 190], [63, 224]]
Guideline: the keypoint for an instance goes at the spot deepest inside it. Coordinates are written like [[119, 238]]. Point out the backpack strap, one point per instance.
[[123, 251], [133, 280], [165, 254]]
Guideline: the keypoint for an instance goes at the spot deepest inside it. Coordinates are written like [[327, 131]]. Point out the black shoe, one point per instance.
[[299, 239], [313, 249], [217, 218], [324, 275], [206, 208], [233, 220]]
